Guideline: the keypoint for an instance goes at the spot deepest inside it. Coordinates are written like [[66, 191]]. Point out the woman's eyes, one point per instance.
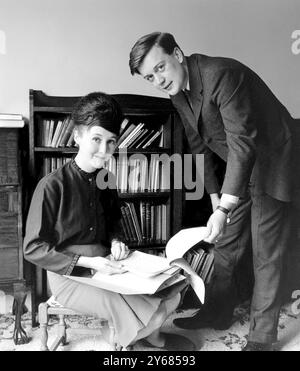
[[161, 68], [109, 142]]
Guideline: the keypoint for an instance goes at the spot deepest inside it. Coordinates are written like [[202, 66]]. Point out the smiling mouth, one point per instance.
[[100, 158], [168, 86]]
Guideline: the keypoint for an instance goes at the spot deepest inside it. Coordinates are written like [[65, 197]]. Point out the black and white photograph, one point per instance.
[[149, 178]]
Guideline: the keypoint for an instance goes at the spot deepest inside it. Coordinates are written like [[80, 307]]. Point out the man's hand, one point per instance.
[[216, 225], [215, 201], [119, 250]]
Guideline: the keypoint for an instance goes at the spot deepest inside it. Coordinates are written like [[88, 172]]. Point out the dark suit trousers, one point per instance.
[[262, 220]]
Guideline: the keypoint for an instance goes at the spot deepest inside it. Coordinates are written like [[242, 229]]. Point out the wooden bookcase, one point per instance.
[[152, 111]]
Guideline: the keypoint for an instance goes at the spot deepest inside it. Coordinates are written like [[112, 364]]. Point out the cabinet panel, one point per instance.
[[9, 166], [9, 217], [9, 258]]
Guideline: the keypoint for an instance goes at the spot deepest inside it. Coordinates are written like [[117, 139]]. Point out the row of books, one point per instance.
[[201, 262], [139, 136], [134, 175], [56, 133], [52, 163], [11, 120], [144, 222]]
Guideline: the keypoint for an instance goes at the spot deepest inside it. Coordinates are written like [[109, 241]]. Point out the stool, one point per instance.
[[45, 310]]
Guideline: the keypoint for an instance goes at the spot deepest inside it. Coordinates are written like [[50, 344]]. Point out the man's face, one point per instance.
[[165, 72]]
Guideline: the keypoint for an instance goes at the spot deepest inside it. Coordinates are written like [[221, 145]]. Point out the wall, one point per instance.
[[72, 47]]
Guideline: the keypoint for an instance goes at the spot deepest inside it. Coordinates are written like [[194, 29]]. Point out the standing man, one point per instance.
[[228, 110]]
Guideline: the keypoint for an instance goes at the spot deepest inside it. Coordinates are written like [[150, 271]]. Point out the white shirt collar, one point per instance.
[[187, 85]]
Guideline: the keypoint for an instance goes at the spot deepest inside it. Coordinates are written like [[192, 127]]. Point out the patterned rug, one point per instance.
[[205, 339]]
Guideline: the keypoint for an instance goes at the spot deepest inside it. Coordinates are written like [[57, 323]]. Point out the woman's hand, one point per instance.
[[119, 250], [216, 225], [102, 265], [106, 266]]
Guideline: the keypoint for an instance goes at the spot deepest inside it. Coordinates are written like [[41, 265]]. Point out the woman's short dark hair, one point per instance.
[[142, 47], [98, 109]]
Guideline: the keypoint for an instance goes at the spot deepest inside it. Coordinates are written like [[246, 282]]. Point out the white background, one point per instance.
[[73, 47]]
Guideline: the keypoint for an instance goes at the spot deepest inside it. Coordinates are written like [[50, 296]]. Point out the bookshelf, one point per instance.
[[165, 205]]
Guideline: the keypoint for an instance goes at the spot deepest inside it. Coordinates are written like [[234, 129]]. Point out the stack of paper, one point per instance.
[[11, 120], [148, 274]]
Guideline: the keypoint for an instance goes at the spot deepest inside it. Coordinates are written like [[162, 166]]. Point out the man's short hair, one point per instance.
[[98, 109], [142, 47]]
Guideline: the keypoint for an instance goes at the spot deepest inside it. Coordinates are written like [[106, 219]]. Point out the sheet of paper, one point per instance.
[[182, 241], [195, 281], [145, 265]]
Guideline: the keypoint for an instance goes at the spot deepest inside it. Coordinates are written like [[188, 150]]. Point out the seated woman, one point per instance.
[[73, 224]]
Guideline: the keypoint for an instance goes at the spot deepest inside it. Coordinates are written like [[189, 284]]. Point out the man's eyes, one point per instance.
[[150, 78], [161, 67]]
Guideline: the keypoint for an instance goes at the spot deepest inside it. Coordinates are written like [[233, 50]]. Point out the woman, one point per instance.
[[73, 224]]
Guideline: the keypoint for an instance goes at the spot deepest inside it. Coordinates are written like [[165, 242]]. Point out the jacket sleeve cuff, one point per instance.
[[229, 198], [72, 265]]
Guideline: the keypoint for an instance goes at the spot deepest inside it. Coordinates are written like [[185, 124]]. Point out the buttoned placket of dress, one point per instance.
[[92, 204]]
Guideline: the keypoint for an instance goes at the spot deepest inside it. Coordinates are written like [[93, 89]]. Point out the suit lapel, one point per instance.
[[181, 103], [180, 100], [195, 86]]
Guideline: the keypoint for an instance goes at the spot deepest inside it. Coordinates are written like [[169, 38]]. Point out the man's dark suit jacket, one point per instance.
[[236, 116]]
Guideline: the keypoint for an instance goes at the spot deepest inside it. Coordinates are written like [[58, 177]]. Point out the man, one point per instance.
[[228, 110]]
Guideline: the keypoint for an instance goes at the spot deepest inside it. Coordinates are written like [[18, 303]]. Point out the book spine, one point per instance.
[[126, 224], [130, 223]]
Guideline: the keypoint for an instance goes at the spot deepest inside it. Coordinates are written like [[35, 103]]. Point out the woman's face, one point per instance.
[[96, 146]]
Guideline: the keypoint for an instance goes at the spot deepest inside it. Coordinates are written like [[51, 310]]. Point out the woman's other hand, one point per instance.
[[119, 250]]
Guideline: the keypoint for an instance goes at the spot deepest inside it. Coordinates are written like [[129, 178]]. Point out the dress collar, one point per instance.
[[85, 174]]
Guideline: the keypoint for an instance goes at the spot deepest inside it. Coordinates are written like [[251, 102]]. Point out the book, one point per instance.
[[4, 123], [11, 116], [125, 133], [67, 133], [62, 132], [71, 141], [151, 140], [56, 134], [50, 133], [148, 274], [133, 133]]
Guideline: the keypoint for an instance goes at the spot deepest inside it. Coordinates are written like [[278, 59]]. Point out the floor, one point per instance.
[[205, 339]]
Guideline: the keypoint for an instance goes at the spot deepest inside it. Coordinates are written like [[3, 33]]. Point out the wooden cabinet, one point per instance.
[[11, 257]]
